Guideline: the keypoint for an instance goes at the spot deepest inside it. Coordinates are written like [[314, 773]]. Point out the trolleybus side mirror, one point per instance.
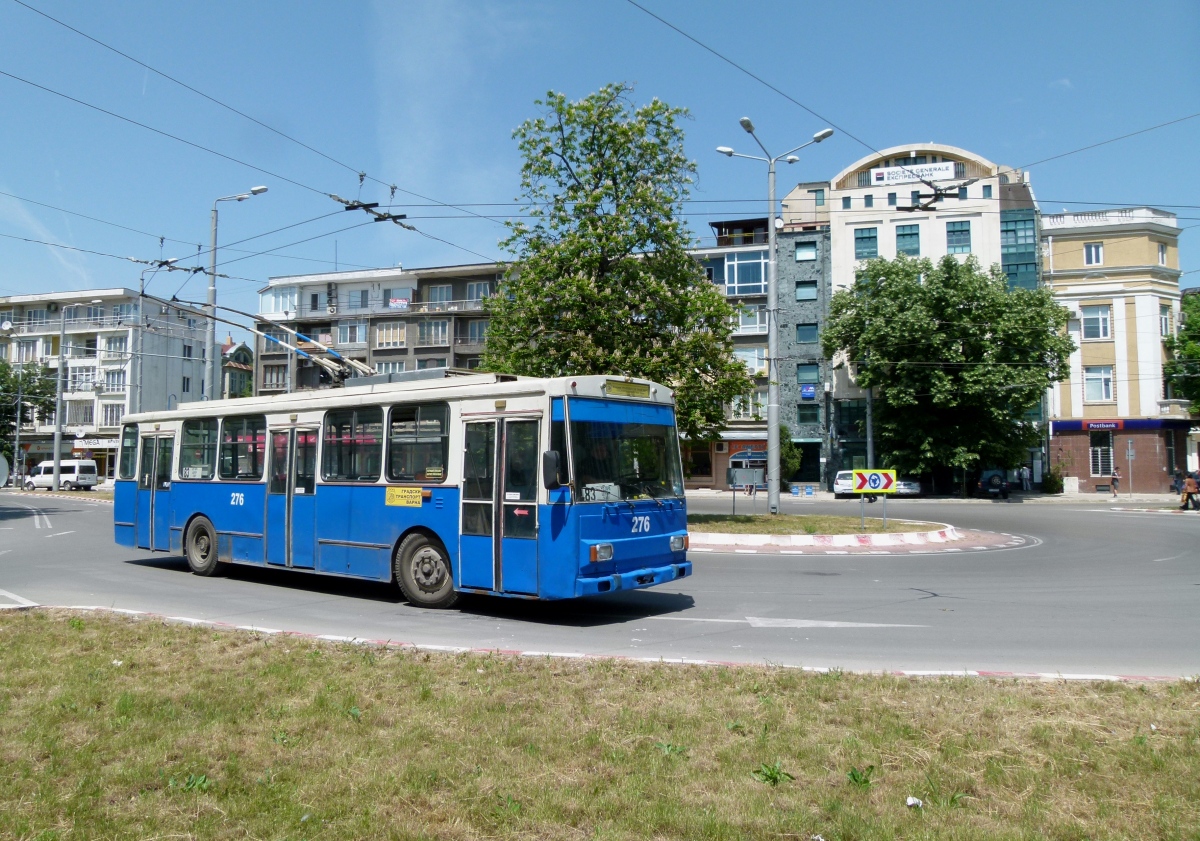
[[550, 466]]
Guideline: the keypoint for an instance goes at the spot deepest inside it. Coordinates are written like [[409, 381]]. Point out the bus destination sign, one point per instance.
[[620, 388]]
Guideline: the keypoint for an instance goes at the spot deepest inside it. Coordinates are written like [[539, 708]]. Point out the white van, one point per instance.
[[73, 474]]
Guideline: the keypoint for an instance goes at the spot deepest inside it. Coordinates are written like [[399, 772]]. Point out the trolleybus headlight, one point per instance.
[[679, 542], [601, 552]]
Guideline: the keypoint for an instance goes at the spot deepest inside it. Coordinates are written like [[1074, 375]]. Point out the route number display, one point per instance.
[[874, 482]]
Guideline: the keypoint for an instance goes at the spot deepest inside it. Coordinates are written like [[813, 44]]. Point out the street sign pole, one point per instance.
[[862, 512], [885, 496]]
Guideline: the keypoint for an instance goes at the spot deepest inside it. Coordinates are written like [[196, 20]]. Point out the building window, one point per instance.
[[81, 379], [868, 201], [1093, 253], [908, 240], [866, 243], [808, 413], [95, 313], [1162, 254], [1164, 320], [279, 300], [916, 197], [114, 347], [478, 290], [111, 413], [962, 193], [186, 385], [352, 332], [845, 202], [439, 294], [397, 298], [958, 237], [750, 406], [81, 412], [433, 333], [818, 197], [806, 290], [1101, 451], [477, 331], [1096, 322], [806, 333], [746, 274], [390, 367], [187, 351], [987, 191], [389, 334], [751, 320], [26, 351], [754, 358], [1017, 235], [425, 364], [806, 252], [891, 199], [1098, 384], [114, 381], [274, 376], [35, 317], [697, 460], [808, 372]]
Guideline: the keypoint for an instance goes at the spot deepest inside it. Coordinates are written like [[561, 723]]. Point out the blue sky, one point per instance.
[[425, 95]]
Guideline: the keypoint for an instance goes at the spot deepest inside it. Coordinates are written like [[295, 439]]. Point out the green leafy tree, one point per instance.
[[36, 387], [1182, 370], [602, 282], [955, 359], [790, 455]]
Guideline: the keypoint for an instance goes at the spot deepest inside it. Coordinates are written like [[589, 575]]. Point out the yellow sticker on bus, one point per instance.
[[620, 388], [406, 497]]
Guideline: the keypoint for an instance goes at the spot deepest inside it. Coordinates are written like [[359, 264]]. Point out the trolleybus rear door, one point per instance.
[[291, 500], [154, 494], [506, 449]]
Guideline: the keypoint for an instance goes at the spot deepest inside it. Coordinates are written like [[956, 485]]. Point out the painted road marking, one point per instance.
[[773, 622], [61, 533], [19, 602]]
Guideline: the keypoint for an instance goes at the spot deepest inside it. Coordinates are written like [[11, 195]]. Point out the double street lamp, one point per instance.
[[772, 302], [213, 391]]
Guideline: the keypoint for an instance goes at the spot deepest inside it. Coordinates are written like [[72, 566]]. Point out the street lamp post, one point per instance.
[[210, 362], [772, 302]]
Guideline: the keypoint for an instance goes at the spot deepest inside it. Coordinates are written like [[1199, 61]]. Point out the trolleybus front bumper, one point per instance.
[[632, 580]]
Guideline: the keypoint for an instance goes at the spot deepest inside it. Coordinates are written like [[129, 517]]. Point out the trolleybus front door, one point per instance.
[[153, 514], [291, 501], [499, 518]]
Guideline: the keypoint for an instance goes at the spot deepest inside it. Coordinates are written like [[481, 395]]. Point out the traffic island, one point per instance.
[[800, 534]]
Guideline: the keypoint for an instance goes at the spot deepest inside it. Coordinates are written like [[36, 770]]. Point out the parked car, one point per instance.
[[73, 474], [907, 486], [994, 482]]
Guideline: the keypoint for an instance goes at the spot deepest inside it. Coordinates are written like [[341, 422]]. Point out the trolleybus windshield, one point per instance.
[[625, 461]]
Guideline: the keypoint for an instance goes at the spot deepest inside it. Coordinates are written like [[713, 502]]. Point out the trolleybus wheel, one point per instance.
[[200, 546], [422, 569]]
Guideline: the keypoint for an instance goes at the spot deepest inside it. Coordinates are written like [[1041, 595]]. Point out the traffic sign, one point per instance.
[[874, 482]]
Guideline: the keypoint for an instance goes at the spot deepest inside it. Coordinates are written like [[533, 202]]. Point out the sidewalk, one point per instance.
[[1015, 498]]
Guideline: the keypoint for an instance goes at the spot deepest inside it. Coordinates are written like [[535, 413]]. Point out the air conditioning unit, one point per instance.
[[722, 446], [1073, 309], [331, 309]]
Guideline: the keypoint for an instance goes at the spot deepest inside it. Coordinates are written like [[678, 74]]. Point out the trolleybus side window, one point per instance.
[[353, 447], [198, 449], [128, 467], [243, 447], [418, 443], [306, 461]]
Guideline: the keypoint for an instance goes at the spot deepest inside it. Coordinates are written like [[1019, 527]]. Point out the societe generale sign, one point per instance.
[[907, 174]]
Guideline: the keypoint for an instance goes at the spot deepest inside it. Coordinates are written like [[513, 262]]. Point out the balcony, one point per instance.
[[433, 341], [375, 307], [469, 344], [1097, 218]]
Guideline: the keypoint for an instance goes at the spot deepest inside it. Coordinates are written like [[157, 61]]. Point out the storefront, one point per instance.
[[1147, 451]]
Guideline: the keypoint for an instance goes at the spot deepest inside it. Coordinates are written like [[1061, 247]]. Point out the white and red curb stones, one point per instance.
[[570, 655], [945, 534]]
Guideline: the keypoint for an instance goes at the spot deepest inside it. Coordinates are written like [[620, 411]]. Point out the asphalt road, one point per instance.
[[1096, 591]]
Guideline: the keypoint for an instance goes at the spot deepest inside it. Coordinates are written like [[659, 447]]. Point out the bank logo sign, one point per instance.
[[910, 173]]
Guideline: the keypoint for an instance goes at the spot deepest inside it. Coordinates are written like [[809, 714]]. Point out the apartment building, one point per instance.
[[1117, 272], [394, 320], [116, 361], [237, 369]]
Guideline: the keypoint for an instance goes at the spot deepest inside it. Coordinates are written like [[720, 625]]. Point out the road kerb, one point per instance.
[[946, 534]]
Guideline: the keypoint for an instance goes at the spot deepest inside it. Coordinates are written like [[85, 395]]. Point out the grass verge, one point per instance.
[[119, 728], [799, 524]]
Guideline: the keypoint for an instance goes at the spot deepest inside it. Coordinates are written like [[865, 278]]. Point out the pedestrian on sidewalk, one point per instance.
[[1025, 477], [1177, 483], [1190, 489], [1116, 481]]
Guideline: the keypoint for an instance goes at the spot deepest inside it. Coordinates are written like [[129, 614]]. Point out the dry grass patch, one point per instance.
[[799, 524], [119, 728]]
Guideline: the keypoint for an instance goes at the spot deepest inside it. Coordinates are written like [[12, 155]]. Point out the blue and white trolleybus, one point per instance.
[[446, 484]]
